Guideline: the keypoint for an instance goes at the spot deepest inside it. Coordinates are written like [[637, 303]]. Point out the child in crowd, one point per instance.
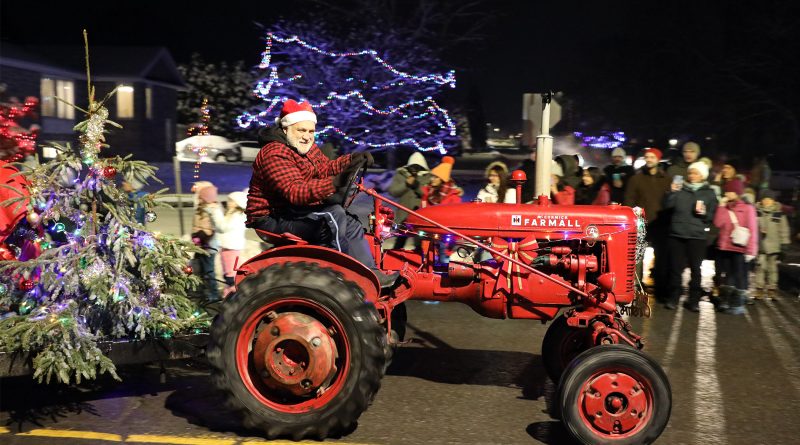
[[497, 190], [232, 238], [774, 228], [207, 218], [734, 251], [442, 190]]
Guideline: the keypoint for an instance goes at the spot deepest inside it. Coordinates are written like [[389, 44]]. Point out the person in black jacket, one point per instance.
[[692, 205], [617, 175]]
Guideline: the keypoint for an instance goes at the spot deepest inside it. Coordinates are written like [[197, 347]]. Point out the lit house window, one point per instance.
[[124, 101], [63, 89], [148, 103]]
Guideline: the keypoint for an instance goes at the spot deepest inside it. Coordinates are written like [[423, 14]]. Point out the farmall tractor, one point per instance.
[[302, 345]]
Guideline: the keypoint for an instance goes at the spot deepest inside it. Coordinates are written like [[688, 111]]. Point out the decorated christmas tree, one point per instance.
[[369, 103], [75, 266]]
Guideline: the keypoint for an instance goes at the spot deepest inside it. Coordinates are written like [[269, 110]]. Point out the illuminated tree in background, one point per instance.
[[366, 100]]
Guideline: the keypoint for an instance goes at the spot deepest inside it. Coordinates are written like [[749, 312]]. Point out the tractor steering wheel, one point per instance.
[[351, 181]]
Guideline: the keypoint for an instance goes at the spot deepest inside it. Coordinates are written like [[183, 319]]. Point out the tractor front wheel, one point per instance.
[[298, 351], [614, 394]]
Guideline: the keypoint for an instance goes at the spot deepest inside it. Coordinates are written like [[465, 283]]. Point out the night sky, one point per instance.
[[724, 72]]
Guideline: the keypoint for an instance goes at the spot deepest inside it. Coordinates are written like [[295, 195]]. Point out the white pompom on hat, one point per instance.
[[294, 112], [701, 168]]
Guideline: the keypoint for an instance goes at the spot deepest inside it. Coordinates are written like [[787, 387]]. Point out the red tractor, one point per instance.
[[302, 345]]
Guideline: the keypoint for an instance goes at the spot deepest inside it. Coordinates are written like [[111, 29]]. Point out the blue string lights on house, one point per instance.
[[612, 139], [387, 107]]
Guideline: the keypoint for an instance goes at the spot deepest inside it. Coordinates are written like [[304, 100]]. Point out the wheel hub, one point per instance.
[[295, 353], [614, 403]]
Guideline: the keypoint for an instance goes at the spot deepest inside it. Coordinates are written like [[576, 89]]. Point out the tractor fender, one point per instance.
[[350, 268]]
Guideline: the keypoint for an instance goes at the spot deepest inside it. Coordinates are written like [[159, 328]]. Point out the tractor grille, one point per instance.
[[630, 272]]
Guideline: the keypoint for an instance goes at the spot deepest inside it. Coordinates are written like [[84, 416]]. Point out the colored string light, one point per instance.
[[607, 140], [421, 110]]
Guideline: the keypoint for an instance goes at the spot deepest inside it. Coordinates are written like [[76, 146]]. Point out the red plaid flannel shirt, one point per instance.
[[282, 177]]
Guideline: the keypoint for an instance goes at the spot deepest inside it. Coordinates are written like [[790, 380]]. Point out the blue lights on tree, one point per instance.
[[364, 102]]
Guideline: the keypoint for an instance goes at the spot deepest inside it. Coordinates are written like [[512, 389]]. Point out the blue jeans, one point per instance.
[[203, 266], [325, 225]]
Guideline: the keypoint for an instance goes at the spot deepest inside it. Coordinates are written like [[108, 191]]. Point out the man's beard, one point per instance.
[[300, 147]]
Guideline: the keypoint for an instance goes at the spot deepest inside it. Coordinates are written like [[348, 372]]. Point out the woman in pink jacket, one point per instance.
[[733, 254]]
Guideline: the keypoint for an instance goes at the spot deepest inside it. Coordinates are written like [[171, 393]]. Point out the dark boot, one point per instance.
[[736, 302], [721, 301]]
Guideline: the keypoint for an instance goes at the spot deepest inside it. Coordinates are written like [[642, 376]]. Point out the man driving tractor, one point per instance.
[[295, 188]]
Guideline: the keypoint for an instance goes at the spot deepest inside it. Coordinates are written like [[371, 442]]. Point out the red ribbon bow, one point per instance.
[[524, 251]]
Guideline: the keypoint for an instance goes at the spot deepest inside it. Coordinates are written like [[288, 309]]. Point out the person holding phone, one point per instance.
[[617, 174], [692, 205]]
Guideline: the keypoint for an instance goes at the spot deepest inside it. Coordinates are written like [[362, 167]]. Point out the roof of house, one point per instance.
[[149, 63]]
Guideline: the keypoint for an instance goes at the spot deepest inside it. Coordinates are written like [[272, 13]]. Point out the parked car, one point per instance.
[[248, 150], [207, 148]]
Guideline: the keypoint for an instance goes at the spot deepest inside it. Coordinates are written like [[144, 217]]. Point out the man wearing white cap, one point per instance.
[[295, 188], [617, 174]]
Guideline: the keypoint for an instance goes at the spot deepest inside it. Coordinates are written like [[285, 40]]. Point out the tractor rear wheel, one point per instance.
[[297, 351], [614, 394], [561, 344]]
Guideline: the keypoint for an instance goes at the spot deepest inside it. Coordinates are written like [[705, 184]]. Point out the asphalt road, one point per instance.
[[465, 379]]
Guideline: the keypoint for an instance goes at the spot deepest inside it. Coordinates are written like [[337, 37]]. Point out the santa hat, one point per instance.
[[701, 168], [653, 150], [443, 170], [294, 112]]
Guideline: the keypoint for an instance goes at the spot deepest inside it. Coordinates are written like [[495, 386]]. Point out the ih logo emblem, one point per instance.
[[516, 220]]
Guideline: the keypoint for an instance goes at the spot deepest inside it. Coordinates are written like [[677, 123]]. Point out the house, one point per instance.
[[147, 82]]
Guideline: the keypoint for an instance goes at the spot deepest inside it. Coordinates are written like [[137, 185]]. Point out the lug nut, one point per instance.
[[315, 342], [275, 331]]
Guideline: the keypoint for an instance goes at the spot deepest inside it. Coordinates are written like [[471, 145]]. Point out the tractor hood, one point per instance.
[[520, 220]]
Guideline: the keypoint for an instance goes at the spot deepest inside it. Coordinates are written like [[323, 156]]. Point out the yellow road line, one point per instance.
[[177, 440], [71, 434]]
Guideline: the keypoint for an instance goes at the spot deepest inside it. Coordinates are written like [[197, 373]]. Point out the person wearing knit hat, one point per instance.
[[442, 189], [497, 190], [691, 205], [647, 189], [736, 248], [207, 221], [617, 174], [296, 189], [689, 154], [774, 225], [560, 191]]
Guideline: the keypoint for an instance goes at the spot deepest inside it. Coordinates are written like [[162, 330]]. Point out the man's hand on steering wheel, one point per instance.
[[362, 157]]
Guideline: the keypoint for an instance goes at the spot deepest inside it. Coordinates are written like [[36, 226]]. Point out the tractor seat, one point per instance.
[[282, 239]]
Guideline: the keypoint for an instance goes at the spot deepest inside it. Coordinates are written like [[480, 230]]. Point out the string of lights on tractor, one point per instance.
[[332, 104]]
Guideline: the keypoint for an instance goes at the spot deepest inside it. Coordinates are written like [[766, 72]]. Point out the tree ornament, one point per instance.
[[26, 306], [6, 253], [150, 216], [26, 285], [187, 269], [3, 290], [33, 218], [109, 172]]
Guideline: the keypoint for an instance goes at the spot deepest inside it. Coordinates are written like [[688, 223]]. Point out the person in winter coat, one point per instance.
[[296, 189], [207, 219], [593, 189], [134, 190], [442, 189], [726, 174], [647, 189], [775, 238], [617, 174], [560, 191], [570, 170], [497, 190], [692, 205], [690, 154], [406, 186], [732, 257], [232, 237]]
